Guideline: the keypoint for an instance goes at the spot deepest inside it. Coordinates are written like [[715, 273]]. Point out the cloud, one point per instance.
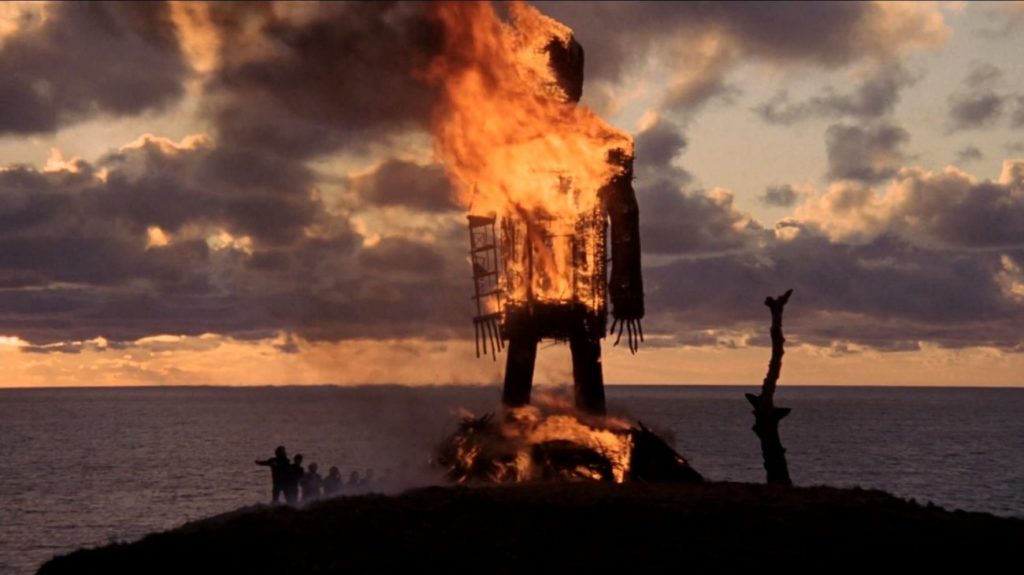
[[931, 257], [401, 183], [979, 103], [983, 74], [252, 193], [659, 144], [876, 96], [313, 81], [948, 209], [1017, 121], [784, 196], [232, 234], [245, 250], [968, 154], [698, 44], [865, 153], [675, 219], [87, 59], [1006, 17], [973, 111], [402, 255], [886, 294]]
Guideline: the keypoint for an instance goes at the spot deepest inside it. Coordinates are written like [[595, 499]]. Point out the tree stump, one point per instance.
[[766, 414]]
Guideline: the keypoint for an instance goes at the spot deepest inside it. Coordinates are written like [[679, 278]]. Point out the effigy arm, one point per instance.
[[625, 285]]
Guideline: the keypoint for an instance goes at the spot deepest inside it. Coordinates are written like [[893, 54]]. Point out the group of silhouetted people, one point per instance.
[[296, 483]]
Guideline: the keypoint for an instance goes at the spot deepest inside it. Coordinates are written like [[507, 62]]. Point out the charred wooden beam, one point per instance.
[[766, 414]]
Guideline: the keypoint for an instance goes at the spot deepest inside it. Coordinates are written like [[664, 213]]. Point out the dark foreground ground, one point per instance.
[[575, 528]]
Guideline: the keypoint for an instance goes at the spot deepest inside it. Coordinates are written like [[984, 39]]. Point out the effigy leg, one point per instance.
[[588, 379], [522, 355]]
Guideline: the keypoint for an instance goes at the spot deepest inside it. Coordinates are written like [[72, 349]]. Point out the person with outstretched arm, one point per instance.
[[279, 467]]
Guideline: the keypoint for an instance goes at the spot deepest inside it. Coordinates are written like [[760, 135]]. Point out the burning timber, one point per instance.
[[548, 187], [526, 445], [542, 178]]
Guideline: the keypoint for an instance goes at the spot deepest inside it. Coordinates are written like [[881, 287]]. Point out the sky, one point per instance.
[[248, 194]]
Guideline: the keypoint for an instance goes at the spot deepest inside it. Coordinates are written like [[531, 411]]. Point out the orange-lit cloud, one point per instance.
[[952, 208], [306, 234], [215, 360]]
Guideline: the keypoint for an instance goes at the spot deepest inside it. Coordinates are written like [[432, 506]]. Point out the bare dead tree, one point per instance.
[[766, 414]]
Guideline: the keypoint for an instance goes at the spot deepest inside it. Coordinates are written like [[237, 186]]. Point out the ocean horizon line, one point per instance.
[[492, 385]]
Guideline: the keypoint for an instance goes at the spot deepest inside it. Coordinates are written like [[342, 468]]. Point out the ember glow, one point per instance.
[[520, 443], [518, 148], [550, 440]]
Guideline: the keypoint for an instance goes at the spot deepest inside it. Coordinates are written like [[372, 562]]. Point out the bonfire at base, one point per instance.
[[553, 442]]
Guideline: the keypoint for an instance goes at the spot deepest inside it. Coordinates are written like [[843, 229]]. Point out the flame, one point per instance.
[[517, 148], [550, 440], [520, 446]]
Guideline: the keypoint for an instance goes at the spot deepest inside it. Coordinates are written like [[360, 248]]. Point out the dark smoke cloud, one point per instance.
[[88, 58], [343, 77]]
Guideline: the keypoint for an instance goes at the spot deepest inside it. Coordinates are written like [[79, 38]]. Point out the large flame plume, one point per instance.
[[515, 144]]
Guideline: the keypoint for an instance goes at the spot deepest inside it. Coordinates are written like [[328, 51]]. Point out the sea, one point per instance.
[[87, 467]]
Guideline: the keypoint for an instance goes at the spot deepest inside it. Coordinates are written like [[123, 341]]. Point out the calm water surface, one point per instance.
[[83, 467]]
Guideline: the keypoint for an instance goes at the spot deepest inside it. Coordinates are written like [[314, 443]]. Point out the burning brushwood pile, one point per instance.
[[551, 441]]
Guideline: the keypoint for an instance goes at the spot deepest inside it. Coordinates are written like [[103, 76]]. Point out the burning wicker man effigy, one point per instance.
[[517, 260], [542, 178]]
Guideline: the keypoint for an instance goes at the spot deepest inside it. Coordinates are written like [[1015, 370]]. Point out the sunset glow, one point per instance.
[[224, 194]]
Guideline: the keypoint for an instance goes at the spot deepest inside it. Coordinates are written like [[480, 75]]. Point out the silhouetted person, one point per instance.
[[311, 483], [367, 477], [292, 478], [353, 479], [279, 469], [332, 483]]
